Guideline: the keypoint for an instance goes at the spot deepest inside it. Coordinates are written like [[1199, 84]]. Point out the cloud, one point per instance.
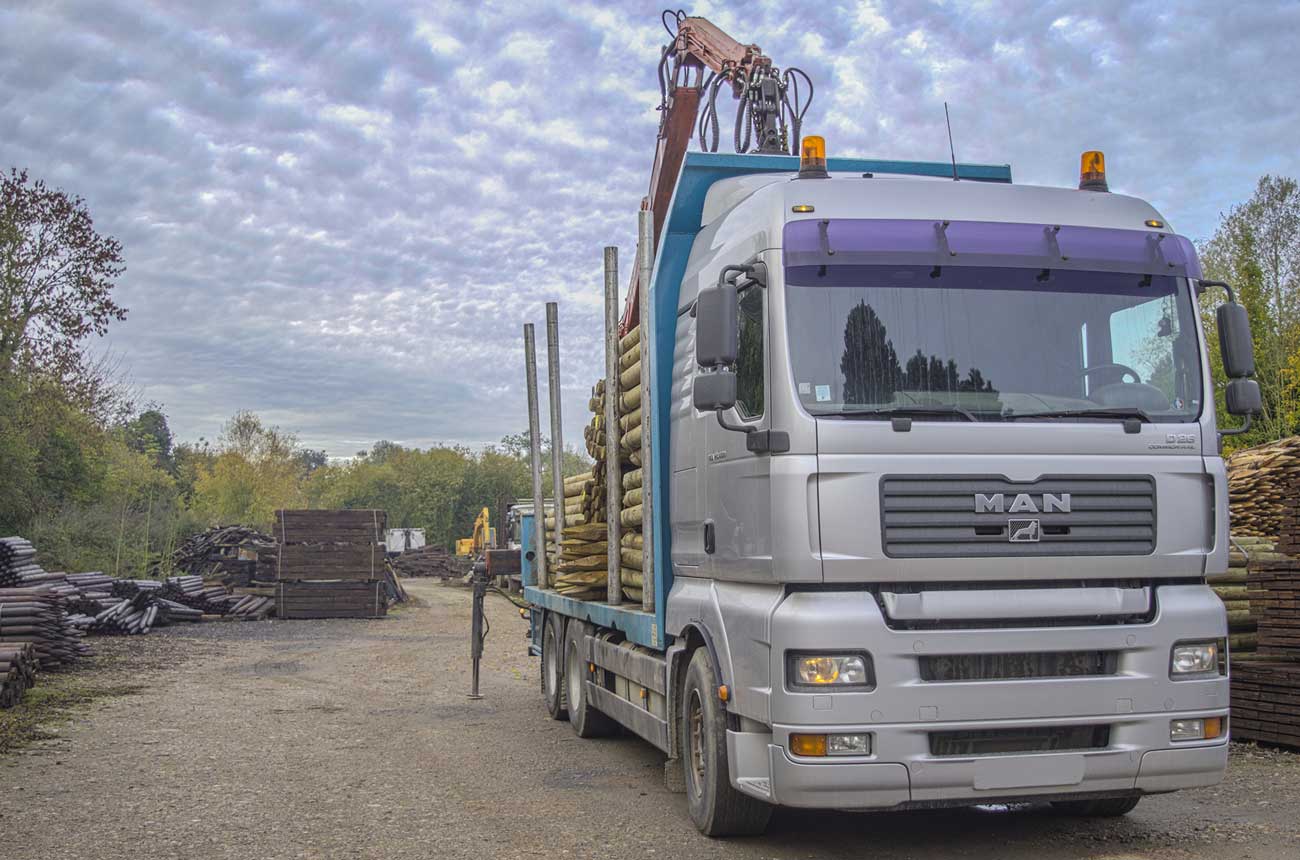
[[340, 215]]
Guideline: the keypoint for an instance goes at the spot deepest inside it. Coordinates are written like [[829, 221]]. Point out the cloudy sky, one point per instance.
[[339, 214]]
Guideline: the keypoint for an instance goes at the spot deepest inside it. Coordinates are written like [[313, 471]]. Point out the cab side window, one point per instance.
[[749, 364]]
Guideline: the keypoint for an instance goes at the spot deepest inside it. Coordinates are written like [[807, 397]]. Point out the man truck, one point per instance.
[[932, 487]]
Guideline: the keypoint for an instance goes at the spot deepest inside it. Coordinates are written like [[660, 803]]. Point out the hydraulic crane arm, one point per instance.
[[769, 113]]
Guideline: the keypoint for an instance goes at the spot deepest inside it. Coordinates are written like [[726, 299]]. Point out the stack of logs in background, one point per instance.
[[332, 565], [578, 566], [1264, 501]]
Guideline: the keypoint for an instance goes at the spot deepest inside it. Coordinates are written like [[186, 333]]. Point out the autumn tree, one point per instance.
[[1257, 249], [57, 275]]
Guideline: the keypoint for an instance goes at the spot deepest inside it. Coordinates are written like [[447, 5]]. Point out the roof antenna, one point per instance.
[[951, 150]]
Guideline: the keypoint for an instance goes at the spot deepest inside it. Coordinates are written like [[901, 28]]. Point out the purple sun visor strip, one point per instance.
[[860, 241]]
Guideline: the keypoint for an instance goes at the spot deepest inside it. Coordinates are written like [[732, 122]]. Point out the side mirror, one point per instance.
[[714, 391], [1235, 343], [717, 326], [1242, 397]]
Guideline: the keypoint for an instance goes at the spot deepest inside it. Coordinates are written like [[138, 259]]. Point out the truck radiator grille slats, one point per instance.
[[1019, 740], [1004, 667], [929, 516]]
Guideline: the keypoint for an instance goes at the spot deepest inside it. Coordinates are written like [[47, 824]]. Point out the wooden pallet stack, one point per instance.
[[1266, 688], [331, 564]]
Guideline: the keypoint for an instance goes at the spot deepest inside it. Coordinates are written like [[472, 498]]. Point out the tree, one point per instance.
[[869, 362], [57, 274], [1257, 249], [148, 434]]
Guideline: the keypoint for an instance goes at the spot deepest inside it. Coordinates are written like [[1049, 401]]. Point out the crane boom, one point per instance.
[[770, 110]]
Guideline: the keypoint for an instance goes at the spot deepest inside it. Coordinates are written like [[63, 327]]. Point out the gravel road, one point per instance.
[[328, 739]]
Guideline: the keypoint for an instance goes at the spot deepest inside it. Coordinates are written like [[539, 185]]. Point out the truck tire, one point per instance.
[[587, 722], [716, 807], [553, 667], [1109, 807]]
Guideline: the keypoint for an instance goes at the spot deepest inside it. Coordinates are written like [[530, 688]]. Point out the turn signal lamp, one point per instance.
[[808, 745], [812, 158], [1207, 729], [1092, 171]]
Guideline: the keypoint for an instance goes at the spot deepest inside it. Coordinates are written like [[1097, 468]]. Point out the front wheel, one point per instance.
[[716, 807], [1110, 807]]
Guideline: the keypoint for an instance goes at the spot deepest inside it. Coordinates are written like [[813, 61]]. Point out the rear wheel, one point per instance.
[[716, 807], [552, 667], [587, 722], [1109, 807]]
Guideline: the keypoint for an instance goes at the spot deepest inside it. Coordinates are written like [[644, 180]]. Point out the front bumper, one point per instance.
[[1136, 703], [1138, 761]]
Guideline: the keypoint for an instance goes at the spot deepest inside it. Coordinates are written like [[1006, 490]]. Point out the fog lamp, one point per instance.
[[1195, 730], [848, 744]]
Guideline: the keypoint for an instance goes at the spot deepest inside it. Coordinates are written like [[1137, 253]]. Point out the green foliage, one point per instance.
[[1257, 249]]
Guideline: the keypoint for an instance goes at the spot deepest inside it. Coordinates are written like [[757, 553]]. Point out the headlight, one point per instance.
[[1194, 658], [828, 670]]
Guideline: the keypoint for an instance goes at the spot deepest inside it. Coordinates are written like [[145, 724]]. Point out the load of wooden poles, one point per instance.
[[580, 562]]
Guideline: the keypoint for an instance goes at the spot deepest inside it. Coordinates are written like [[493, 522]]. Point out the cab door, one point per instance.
[[737, 528]]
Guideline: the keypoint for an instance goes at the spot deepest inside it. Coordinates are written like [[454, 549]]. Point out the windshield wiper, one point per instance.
[[905, 412], [1117, 413], [1132, 417]]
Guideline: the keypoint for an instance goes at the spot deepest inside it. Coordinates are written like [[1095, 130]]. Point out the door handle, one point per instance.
[[710, 540]]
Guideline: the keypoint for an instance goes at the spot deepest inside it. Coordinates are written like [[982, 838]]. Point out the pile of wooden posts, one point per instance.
[[1231, 588], [1264, 492], [241, 554], [18, 665], [37, 616], [430, 560], [332, 565]]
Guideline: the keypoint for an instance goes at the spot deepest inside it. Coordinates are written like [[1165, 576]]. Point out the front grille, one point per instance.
[[937, 516], [1003, 667], [1022, 740]]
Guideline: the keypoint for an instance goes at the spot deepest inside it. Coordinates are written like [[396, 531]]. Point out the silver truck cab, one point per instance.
[[945, 542]]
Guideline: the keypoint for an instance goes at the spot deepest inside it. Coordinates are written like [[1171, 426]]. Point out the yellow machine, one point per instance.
[[484, 537]]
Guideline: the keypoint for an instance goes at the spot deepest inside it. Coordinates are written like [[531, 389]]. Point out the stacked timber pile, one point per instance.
[[344, 599], [37, 616], [1231, 588], [332, 565], [240, 553], [1266, 689], [430, 560], [1266, 701], [18, 665], [192, 593], [1264, 492]]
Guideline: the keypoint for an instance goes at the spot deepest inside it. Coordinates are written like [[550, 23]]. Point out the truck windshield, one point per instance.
[[992, 344]]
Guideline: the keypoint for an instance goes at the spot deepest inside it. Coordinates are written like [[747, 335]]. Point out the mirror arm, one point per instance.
[[1237, 431], [739, 428], [1224, 285]]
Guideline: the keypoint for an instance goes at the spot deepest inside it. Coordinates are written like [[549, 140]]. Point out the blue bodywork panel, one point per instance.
[[699, 171]]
